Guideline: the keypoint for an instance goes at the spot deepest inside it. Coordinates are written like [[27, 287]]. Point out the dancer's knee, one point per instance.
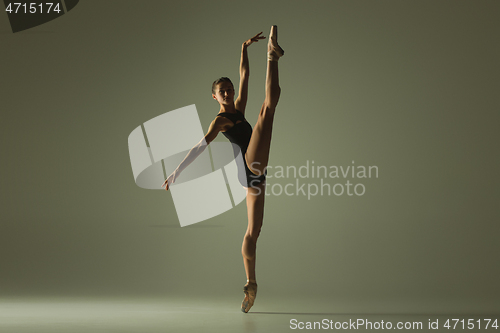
[[268, 109], [271, 103], [273, 98], [249, 246], [252, 236]]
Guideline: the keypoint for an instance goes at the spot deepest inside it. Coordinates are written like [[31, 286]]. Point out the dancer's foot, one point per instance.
[[250, 290], [274, 51]]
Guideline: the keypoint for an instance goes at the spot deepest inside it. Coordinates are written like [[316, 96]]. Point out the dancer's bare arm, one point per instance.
[[241, 101], [219, 124]]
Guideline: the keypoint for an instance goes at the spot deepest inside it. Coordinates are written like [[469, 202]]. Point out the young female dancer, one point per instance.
[[254, 145]]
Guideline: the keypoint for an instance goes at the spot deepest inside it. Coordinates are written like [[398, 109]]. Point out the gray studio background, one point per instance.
[[410, 87]]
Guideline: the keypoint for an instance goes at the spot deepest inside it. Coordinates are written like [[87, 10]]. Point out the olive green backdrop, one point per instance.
[[408, 86]]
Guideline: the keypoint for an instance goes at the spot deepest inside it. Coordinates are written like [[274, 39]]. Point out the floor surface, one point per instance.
[[80, 315]]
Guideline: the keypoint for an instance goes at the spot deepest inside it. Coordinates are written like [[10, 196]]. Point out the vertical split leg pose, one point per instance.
[[255, 146]]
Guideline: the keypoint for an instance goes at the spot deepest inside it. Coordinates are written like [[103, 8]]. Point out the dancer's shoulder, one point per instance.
[[223, 119]]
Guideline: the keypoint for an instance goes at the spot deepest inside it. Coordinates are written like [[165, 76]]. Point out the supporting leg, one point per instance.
[[255, 208]]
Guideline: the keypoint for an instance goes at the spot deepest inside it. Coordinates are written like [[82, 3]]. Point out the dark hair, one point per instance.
[[220, 80]]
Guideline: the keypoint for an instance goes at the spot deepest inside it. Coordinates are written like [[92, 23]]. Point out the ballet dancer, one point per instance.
[[254, 146]]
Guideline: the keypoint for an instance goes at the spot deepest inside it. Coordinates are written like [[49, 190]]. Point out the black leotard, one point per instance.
[[240, 135]]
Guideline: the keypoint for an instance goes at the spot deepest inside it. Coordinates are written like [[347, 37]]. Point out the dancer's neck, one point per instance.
[[227, 108]]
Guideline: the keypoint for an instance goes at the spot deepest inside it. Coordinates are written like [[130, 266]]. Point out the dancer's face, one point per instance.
[[224, 93]]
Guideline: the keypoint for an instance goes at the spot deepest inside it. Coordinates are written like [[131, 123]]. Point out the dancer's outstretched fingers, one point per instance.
[[169, 180], [254, 39]]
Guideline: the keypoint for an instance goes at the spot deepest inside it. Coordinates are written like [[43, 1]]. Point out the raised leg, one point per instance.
[[257, 154]]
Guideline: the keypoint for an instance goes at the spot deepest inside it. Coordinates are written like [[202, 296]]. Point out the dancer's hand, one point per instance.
[[171, 179], [254, 39]]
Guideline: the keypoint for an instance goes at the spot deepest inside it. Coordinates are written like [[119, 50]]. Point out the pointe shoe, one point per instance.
[[250, 290], [274, 51]]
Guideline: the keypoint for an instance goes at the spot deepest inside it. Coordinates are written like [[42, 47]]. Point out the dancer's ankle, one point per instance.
[[272, 57], [251, 281]]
